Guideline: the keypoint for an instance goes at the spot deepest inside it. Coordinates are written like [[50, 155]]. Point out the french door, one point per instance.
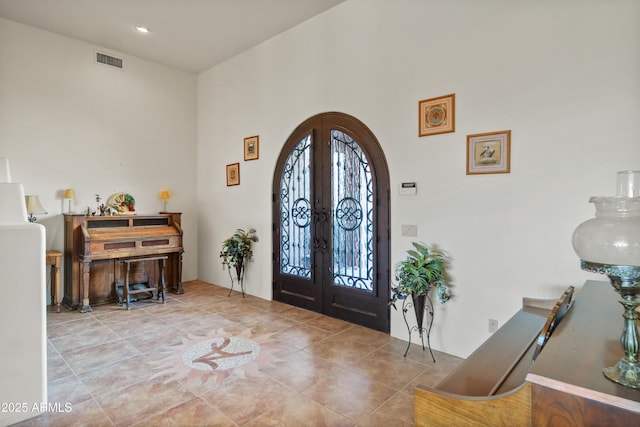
[[331, 221]]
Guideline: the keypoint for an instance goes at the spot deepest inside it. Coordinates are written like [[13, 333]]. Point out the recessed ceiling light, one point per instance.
[[142, 29]]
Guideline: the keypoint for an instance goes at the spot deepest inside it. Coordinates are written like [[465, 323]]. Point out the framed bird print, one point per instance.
[[489, 152]]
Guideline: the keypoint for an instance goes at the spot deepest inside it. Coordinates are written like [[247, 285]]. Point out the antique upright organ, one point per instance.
[[94, 247]]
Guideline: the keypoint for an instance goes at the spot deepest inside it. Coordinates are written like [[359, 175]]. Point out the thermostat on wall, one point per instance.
[[408, 189]]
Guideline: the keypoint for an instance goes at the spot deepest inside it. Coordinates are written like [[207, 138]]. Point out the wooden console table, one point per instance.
[[563, 386], [567, 380], [54, 260]]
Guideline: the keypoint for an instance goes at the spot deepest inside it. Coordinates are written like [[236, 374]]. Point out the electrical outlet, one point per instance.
[[493, 325]]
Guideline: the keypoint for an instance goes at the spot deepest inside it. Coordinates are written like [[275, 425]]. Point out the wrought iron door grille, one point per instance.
[[295, 211], [352, 207]]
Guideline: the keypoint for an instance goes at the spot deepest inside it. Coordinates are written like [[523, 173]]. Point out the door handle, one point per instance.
[[321, 223], [326, 228], [317, 230]]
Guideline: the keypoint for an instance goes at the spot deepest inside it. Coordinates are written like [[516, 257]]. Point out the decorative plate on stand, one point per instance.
[[123, 203]]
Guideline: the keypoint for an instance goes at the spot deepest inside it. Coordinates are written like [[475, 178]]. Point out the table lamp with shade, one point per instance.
[[34, 207], [165, 195], [609, 244], [69, 194]]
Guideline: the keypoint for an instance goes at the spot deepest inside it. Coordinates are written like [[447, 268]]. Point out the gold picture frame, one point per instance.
[[437, 115], [489, 152], [252, 148], [233, 174]]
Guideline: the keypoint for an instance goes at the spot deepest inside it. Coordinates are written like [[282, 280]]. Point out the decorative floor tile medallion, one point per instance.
[[221, 353], [218, 356]]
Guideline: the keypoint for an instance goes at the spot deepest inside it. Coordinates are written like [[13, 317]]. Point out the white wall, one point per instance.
[[68, 122], [562, 76]]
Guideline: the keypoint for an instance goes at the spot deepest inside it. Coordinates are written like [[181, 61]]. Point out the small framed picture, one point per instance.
[[489, 152], [436, 115], [233, 174], [251, 148]]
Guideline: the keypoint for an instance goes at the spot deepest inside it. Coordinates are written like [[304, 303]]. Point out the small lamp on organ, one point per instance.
[[165, 196], [34, 207], [69, 194]]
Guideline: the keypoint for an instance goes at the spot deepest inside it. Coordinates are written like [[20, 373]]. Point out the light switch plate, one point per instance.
[[409, 230]]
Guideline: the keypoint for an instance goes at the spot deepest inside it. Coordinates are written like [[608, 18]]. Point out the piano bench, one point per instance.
[[130, 289]]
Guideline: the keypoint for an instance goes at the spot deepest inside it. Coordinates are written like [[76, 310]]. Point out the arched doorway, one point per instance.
[[331, 221]]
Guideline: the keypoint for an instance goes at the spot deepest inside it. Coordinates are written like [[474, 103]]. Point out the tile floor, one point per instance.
[[205, 359]]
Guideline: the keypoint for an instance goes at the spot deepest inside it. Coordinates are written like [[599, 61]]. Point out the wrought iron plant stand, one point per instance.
[[421, 304]]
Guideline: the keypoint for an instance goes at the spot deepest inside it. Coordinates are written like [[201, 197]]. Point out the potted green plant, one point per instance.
[[423, 270], [236, 251]]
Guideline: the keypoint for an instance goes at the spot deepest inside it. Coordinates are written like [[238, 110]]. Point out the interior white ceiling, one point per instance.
[[191, 35]]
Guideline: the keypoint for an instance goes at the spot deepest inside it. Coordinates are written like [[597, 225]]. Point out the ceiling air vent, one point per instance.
[[101, 58]]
